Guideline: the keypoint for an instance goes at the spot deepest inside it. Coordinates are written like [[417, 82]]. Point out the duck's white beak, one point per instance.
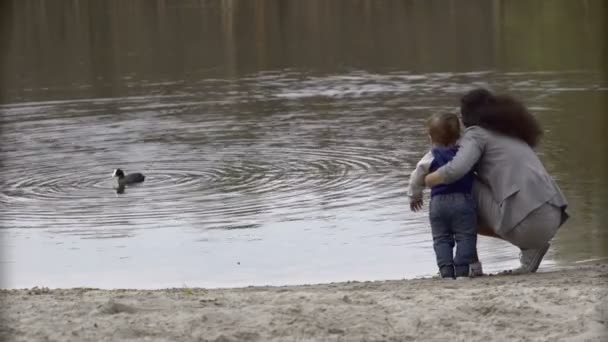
[[114, 173]]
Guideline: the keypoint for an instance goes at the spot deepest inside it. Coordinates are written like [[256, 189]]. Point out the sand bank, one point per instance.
[[566, 305]]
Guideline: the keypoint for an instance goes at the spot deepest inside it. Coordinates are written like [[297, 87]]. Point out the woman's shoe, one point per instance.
[[530, 260], [475, 269]]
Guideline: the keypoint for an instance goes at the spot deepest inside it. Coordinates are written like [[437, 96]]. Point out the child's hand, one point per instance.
[[416, 205]]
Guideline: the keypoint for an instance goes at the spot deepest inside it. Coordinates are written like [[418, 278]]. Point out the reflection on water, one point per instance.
[[276, 147]]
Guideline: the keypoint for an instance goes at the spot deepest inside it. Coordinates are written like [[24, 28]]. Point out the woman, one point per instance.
[[517, 199]]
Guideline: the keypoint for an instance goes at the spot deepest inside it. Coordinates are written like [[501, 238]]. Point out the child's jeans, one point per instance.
[[454, 221]]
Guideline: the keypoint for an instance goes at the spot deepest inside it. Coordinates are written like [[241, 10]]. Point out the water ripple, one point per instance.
[[227, 154]]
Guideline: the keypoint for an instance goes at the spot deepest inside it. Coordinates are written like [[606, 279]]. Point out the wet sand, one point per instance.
[[565, 305]]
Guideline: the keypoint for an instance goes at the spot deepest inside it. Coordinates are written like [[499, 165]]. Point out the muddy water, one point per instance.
[[276, 137]]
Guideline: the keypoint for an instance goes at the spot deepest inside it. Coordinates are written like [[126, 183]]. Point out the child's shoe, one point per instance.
[[447, 271], [462, 271]]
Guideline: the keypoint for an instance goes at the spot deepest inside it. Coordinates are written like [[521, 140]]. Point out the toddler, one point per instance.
[[452, 209]]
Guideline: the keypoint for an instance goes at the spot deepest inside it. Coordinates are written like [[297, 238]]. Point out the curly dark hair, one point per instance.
[[500, 113]]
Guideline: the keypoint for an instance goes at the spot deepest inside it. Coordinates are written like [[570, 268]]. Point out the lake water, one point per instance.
[[277, 137]]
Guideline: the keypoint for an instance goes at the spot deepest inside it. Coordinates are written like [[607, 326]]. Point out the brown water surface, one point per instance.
[[276, 136]]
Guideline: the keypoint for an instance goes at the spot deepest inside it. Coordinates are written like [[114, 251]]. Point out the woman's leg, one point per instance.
[[532, 235], [537, 229], [534, 231], [488, 211], [486, 231]]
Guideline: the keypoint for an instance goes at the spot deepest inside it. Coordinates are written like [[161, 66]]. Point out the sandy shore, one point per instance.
[[567, 305]]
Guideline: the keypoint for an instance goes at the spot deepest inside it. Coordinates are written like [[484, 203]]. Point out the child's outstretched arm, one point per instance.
[[416, 185]]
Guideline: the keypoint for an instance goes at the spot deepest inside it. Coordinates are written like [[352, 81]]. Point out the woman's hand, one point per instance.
[[433, 179]]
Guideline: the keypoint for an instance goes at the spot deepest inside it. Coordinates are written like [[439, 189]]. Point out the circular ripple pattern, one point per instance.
[[267, 148], [279, 182]]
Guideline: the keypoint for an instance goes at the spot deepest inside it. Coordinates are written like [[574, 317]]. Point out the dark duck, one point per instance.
[[127, 179]]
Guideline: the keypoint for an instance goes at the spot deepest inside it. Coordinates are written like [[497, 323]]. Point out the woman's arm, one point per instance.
[[471, 148]]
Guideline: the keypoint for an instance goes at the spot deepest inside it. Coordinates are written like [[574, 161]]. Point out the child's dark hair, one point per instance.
[[500, 113], [444, 129]]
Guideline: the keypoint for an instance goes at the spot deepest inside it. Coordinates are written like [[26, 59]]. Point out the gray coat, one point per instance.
[[512, 170]]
